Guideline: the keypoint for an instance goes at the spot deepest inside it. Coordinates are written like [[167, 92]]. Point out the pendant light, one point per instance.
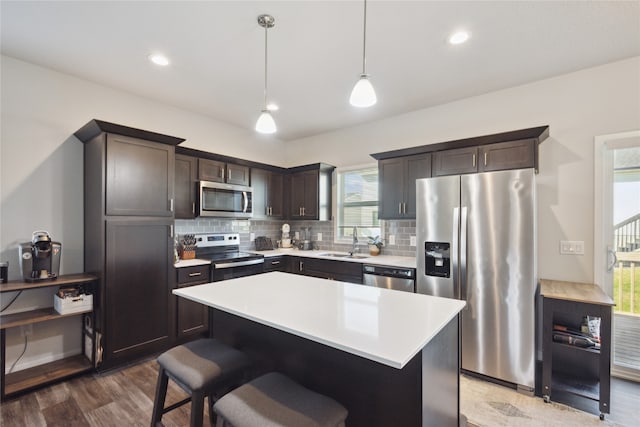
[[363, 94], [265, 123]]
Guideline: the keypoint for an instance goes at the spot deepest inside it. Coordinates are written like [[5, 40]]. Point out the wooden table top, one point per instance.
[[574, 291]]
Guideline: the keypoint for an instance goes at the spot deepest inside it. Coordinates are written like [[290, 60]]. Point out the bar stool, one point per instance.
[[275, 400], [201, 368]]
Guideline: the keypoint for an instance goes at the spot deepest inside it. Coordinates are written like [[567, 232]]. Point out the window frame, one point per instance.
[[338, 202]]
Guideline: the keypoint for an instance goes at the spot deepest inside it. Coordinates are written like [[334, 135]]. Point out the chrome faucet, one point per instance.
[[354, 248]]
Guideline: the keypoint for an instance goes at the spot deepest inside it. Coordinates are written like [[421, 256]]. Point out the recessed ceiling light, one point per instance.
[[459, 37], [159, 59], [272, 107]]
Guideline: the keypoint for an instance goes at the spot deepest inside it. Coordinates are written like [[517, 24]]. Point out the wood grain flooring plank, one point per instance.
[[117, 413], [65, 414], [89, 393], [31, 411], [52, 395], [11, 414]]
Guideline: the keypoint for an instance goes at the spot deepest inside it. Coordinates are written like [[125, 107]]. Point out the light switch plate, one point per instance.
[[252, 237], [392, 239], [412, 240], [319, 239], [571, 247]]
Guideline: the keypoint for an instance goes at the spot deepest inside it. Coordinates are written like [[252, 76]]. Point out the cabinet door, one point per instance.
[[238, 175], [311, 194], [211, 170], [391, 183], [417, 167], [260, 184], [136, 305], [139, 178], [275, 195], [297, 195], [192, 317], [507, 155], [185, 186], [454, 162]]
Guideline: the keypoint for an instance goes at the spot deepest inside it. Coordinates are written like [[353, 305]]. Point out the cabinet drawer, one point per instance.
[[274, 264], [198, 273]]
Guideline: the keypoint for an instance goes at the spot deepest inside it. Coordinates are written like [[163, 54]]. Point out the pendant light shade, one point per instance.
[[265, 123], [363, 94]]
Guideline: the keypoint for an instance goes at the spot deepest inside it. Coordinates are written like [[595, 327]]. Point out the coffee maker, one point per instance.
[[40, 258]]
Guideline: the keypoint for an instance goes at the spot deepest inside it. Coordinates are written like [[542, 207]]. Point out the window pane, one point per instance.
[[358, 203]]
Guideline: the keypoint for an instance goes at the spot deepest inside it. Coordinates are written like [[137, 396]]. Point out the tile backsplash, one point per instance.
[[401, 230]]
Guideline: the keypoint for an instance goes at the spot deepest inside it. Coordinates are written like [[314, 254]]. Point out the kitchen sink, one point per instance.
[[334, 255]]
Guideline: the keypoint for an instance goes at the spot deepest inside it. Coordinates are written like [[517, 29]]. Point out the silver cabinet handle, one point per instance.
[[222, 173], [485, 158], [195, 274], [301, 266], [304, 211], [404, 208], [275, 262], [171, 205], [171, 231], [400, 207], [473, 161], [193, 207]]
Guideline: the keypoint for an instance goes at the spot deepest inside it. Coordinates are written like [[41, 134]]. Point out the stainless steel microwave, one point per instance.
[[224, 200]]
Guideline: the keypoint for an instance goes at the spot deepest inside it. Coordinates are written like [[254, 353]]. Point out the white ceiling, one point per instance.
[[315, 51]]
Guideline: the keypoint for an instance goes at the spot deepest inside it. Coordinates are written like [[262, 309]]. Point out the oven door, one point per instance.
[[224, 270], [225, 200]]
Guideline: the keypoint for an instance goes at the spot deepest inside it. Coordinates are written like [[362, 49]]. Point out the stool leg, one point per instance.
[[161, 394], [212, 414], [197, 409]]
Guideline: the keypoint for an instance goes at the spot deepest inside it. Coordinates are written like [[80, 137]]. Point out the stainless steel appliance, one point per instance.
[[224, 200], [40, 258], [400, 279], [227, 262], [476, 238]]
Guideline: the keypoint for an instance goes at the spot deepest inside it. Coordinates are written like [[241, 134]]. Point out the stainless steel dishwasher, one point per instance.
[[398, 278]]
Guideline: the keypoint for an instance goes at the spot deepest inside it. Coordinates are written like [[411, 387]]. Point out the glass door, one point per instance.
[[617, 243]]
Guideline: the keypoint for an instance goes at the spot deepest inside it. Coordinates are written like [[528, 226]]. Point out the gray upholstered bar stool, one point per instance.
[[275, 400], [202, 368]]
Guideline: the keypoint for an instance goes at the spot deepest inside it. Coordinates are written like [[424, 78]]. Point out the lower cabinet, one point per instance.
[[278, 263], [343, 271], [192, 318], [136, 301]]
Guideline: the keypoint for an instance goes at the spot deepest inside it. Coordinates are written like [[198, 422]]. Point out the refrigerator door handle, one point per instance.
[[454, 252], [463, 253]]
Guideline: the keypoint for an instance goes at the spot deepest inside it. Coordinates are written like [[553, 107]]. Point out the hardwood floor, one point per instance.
[[125, 398]]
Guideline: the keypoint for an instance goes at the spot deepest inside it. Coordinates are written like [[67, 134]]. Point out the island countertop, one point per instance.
[[382, 325]]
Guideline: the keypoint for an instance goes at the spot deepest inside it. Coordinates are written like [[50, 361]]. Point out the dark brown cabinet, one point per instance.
[[192, 317], [267, 194], [455, 162], [186, 176], [327, 269], [310, 192], [128, 237], [278, 263], [397, 178], [139, 177], [136, 304], [507, 155], [568, 365], [217, 171]]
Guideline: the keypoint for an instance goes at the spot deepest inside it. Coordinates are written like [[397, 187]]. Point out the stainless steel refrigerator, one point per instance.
[[476, 241]]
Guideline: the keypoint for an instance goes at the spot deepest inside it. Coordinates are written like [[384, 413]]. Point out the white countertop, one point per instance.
[[388, 260], [385, 326], [191, 262]]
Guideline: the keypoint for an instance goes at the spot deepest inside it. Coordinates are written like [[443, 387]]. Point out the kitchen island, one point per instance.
[[391, 358]]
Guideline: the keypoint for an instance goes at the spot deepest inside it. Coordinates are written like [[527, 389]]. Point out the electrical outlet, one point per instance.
[[572, 247], [26, 330], [252, 237], [297, 235], [412, 240], [392, 239], [319, 239]]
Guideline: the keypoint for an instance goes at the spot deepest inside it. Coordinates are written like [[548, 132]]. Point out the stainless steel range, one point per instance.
[[227, 262]]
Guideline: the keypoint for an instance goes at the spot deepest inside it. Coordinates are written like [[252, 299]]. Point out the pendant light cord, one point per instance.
[[364, 41], [265, 66]]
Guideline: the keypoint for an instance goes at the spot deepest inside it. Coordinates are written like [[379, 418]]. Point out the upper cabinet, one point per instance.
[[455, 162], [310, 192], [217, 171], [397, 189], [186, 186], [267, 194]]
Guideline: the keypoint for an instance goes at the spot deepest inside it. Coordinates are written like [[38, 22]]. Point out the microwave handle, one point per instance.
[[246, 201]]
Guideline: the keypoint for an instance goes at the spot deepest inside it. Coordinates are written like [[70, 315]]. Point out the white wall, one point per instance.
[[576, 106], [41, 181]]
